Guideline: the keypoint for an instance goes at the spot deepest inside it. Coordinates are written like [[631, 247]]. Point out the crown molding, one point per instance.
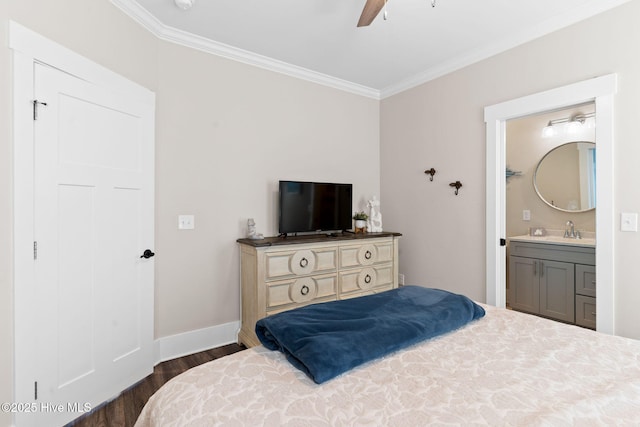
[[163, 32], [173, 35]]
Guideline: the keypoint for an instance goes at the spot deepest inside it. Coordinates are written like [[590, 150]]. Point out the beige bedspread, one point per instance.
[[507, 368]]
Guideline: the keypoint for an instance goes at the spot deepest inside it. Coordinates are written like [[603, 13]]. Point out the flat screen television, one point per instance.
[[314, 206]]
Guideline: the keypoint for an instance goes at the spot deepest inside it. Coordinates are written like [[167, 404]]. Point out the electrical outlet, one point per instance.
[[400, 279], [526, 215]]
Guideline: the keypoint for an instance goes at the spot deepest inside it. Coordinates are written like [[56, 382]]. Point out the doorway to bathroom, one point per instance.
[[600, 90], [550, 214]]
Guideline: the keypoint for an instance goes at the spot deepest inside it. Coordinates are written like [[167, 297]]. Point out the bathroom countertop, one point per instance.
[[556, 237]]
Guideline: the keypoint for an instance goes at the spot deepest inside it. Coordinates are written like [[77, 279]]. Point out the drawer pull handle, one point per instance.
[[304, 262], [367, 279], [367, 255], [304, 290]]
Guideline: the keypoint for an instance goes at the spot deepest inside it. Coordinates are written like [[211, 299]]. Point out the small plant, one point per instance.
[[360, 216]]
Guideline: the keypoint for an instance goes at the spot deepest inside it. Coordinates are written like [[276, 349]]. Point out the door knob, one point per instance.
[[147, 254]]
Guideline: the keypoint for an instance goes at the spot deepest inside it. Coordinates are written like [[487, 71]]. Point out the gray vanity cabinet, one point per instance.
[[553, 280], [542, 286]]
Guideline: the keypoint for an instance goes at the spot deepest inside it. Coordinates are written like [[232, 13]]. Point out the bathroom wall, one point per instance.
[[525, 148]]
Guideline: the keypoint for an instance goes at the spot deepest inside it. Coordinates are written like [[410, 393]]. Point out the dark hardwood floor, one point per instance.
[[124, 410]]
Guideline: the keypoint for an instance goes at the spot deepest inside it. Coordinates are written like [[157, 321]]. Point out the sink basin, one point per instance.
[[554, 239]]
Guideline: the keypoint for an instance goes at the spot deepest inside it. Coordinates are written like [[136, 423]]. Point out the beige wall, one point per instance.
[[525, 147], [225, 134], [96, 30], [440, 125]]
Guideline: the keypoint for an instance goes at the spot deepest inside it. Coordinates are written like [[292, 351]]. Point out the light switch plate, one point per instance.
[[186, 222], [628, 221]]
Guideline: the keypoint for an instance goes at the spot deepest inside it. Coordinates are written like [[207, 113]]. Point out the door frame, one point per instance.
[[601, 91], [29, 48]]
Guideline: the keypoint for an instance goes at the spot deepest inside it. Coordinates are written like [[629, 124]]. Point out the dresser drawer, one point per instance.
[[301, 291], [369, 292], [586, 311], [300, 263], [367, 254], [365, 279], [586, 280]]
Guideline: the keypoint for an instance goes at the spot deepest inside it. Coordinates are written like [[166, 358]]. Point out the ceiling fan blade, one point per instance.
[[370, 11]]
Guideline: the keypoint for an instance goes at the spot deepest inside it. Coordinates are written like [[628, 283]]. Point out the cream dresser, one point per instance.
[[281, 273]]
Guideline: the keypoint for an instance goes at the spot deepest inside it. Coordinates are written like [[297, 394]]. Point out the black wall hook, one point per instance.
[[431, 172], [456, 184]]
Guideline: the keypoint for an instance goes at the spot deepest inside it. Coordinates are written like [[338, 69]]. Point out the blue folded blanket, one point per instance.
[[325, 340]]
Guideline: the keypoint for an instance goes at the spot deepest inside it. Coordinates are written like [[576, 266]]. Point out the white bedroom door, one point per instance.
[[93, 221]]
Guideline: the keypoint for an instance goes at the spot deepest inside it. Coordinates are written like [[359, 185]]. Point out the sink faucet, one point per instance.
[[570, 231]]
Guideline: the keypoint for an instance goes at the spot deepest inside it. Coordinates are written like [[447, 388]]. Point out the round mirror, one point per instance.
[[565, 177]]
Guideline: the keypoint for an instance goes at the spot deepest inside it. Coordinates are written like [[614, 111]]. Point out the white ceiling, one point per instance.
[[318, 39]]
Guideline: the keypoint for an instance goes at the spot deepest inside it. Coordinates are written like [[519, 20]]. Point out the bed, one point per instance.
[[506, 368]]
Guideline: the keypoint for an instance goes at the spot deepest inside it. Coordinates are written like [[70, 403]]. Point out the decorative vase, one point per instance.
[[361, 223]]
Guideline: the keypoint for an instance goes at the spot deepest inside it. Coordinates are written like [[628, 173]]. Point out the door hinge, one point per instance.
[[35, 390], [35, 250], [503, 242], [35, 108]]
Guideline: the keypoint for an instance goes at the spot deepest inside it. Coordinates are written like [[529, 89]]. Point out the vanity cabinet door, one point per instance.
[[557, 290], [524, 284]]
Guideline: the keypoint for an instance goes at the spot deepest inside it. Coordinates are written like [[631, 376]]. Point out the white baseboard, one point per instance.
[[171, 347]]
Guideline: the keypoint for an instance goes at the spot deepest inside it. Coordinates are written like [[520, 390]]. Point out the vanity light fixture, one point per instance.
[[184, 4], [548, 131], [572, 124]]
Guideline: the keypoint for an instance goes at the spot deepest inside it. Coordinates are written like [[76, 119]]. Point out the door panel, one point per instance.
[[524, 286], [123, 292], [557, 290], [93, 218], [75, 285], [114, 142]]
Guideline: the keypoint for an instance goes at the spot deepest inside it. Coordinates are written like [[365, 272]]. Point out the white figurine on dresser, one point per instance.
[[374, 224], [251, 230]]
